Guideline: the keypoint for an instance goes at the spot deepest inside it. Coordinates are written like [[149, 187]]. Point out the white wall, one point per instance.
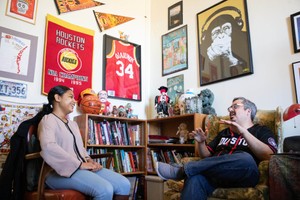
[[137, 30], [270, 86]]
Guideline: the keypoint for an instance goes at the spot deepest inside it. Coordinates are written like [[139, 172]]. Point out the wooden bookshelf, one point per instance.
[[137, 144], [168, 127]]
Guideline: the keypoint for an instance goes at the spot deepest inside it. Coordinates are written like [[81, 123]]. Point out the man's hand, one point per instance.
[[199, 135]]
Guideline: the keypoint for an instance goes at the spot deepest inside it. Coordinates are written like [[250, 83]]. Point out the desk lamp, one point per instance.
[[291, 144]]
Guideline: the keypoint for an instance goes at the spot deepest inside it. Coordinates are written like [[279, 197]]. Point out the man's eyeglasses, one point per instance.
[[234, 106]]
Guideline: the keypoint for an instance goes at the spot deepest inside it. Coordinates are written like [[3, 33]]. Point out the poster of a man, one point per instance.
[[224, 42]]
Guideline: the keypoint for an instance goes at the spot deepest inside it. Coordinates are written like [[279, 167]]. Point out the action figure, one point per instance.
[[105, 105], [162, 102]]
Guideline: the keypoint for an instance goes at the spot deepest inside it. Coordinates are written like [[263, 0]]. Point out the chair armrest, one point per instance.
[[31, 156], [263, 168]]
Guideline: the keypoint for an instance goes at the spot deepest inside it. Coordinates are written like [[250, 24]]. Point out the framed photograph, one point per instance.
[[295, 20], [22, 10], [175, 51], [121, 69], [296, 73], [17, 55], [175, 15], [175, 87], [224, 42]]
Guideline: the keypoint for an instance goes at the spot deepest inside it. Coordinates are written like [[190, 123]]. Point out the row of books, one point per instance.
[[137, 187], [123, 161], [113, 133], [167, 156]]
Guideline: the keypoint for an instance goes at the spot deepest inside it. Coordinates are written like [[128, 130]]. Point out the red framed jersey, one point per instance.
[[122, 73]]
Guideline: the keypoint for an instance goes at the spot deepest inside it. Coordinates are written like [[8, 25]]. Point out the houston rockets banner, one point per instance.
[[68, 56], [106, 21], [64, 6]]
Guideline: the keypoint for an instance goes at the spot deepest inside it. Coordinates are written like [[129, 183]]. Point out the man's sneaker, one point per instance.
[[170, 171]]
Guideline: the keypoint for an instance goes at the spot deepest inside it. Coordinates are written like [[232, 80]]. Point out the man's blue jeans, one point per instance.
[[231, 170], [98, 185]]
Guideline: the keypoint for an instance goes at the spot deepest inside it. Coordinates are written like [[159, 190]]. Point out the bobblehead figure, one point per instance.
[[162, 102], [105, 104]]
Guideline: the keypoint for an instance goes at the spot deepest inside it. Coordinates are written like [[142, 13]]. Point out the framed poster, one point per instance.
[[175, 87], [224, 42], [295, 20], [296, 73], [24, 10], [175, 15], [17, 55], [121, 69], [174, 51]]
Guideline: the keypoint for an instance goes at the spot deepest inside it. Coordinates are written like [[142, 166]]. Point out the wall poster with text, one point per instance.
[[68, 57]]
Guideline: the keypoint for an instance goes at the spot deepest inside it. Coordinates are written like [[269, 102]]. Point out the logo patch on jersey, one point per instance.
[[272, 142]]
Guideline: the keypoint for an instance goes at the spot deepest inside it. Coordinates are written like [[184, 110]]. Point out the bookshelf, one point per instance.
[[168, 127], [124, 137]]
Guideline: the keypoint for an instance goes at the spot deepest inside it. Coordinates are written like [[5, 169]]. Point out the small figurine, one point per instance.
[[128, 110], [183, 133], [114, 111], [162, 102], [105, 105], [207, 100], [122, 112]]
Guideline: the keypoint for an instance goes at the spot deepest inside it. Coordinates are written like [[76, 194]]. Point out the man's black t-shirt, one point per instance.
[[228, 142]]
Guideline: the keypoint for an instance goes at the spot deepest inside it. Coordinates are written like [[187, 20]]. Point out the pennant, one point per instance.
[[106, 21], [64, 6], [68, 57]]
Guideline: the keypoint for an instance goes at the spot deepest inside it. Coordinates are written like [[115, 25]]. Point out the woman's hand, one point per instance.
[[199, 135], [91, 165]]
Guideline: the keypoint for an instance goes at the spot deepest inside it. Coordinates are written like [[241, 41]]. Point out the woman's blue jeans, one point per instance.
[[102, 184], [231, 170]]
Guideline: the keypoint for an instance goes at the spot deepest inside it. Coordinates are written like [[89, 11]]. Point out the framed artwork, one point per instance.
[[175, 15], [296, 73], [17, 55], [22, 10], [224, 42], [175, 51], [121, 69], [295, 20], [175, 87]]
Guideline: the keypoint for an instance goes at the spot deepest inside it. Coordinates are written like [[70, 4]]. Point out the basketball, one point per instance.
[[90, 104]]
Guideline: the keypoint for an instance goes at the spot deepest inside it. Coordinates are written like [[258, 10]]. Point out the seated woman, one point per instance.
[[62, 148]]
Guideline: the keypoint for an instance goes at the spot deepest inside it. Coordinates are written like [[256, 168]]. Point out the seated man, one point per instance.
[[230, 160]]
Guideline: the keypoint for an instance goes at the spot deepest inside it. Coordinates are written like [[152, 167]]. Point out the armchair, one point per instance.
[[269, 118], [35, 161]]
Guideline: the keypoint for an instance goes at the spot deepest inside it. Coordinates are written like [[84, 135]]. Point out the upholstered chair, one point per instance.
[[270, 118]]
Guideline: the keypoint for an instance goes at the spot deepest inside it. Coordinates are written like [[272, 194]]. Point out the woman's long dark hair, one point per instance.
[[48, 108]]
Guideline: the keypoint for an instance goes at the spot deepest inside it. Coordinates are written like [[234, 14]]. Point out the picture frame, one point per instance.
[[296, 74], [175, 86], [175, 51], [121, 69], [229, 57], [175, 16], [17, 54], [295, 22], [22, 10]]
